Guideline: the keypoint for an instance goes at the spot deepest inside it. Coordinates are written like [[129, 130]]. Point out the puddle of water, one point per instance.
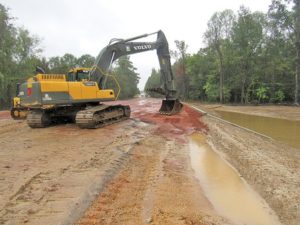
[[287, 131], [226, 190]]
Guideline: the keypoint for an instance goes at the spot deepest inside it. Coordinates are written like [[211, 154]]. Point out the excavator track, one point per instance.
[[102, 115], [38, 119]]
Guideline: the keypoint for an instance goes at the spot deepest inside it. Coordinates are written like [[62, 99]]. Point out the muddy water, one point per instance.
[[286, 131], [225, 189]]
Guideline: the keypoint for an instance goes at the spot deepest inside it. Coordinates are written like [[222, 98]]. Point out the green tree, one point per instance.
[[127, 77], [62, 64], [19, 53], [199, 67], [288, 26], [179, 68], [261, 93], [85, 61], [216, 37], [153, 81], [246, 40]]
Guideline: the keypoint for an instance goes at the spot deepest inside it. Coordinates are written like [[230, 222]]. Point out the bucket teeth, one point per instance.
[[170, 107]]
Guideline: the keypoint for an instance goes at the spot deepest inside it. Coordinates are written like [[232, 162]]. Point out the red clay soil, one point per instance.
[[157, 184], [175, 126], [4, 115]]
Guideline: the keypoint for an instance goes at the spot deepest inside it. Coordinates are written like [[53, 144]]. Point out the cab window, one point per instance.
[[79, 75], [71, 76], [82, 75]]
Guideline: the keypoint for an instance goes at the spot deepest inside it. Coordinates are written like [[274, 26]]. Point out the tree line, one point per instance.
[[249, 57], [20, 53]]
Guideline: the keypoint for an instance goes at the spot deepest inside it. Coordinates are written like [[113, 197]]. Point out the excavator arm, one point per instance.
[[119, 47]]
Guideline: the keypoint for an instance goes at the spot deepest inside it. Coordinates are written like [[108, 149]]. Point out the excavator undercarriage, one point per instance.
[[91, 117], [102, 115]]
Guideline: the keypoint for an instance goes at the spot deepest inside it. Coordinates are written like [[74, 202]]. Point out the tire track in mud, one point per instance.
[[11, 126], [130, 193], [155, 178], [155, 186], [60, 196]]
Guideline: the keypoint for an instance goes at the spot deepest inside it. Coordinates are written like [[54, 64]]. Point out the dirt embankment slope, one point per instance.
[[270, 167]]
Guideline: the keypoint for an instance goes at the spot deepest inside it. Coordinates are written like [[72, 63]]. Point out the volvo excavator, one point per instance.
[[79, 94]]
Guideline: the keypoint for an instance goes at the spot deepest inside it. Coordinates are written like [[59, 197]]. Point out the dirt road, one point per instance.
[[135, 172]]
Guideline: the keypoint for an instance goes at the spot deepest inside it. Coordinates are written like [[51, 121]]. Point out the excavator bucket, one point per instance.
[[170, 107]]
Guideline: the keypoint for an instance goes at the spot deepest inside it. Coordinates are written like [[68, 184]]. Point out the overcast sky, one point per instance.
[[80, 27]]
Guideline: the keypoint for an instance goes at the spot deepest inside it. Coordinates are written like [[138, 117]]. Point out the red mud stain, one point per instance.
[[175, 126], [5, 115]]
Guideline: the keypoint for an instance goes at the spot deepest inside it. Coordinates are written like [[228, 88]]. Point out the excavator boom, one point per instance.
[[119, 47]]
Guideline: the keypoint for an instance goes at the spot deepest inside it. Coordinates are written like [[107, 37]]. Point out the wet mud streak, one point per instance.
[[175, 126]]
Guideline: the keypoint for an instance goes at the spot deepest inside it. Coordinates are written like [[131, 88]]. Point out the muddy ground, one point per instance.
[[134, 172], [270, 167]]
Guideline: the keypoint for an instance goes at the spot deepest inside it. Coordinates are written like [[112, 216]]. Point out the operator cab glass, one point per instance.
[[78, 75]]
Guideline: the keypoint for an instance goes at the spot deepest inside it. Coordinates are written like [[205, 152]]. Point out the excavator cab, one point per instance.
[[78, 74]]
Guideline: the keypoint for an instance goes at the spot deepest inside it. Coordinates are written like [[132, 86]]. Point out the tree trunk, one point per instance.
[[297, 77], [273, 85], [221, 75], [297, 45], [221, 82], [243, 92], [244, 77]]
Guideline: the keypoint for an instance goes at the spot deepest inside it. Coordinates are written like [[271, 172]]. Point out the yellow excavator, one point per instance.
[[78, 95]]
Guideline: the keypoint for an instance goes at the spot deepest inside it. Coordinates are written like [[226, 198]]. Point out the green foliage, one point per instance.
[[62, 64], [18, 54], [211, 89], [85, 61], [261, 93], [217, 37], [128, 79], [179, 69], [197, 67], [153, 82], [66, 62], [279, 96], [249, 56]]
